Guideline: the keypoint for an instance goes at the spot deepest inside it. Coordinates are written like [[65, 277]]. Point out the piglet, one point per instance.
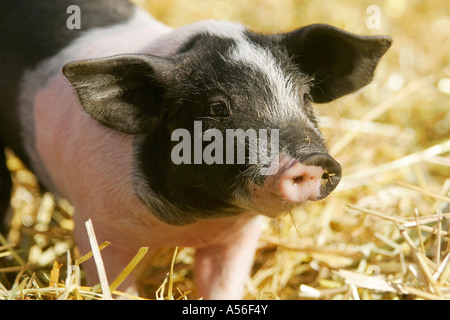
[[167, 137]]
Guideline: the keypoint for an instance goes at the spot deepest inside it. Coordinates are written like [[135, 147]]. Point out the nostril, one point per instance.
[[303, 178], [297, 179], [328, 176], [332, 171]]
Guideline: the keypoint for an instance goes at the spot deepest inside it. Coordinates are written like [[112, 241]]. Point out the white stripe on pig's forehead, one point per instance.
[[284, 95]]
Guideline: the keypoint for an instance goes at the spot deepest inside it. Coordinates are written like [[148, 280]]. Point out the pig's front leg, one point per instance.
[[221, 269]]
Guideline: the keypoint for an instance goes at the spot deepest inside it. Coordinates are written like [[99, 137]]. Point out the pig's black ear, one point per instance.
[[340, 62], [121, 92]]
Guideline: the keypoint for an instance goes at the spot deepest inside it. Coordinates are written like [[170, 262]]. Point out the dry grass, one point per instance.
[[382, 235]]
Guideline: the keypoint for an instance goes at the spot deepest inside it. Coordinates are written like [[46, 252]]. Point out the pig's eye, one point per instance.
[[307, 98], [217, 109]]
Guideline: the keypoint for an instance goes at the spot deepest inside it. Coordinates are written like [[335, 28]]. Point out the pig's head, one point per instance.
[[183, 107]]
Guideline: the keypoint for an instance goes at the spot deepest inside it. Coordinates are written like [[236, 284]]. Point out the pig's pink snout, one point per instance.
[[312, 179]]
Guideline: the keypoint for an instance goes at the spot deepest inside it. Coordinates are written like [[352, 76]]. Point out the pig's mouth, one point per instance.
[[295, 183]]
